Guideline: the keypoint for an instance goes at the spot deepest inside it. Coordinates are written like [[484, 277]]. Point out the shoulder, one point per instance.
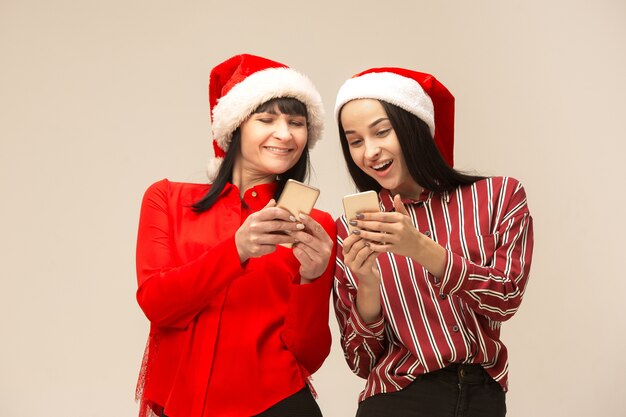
[[166, 190], [494, 185], [507, 193]]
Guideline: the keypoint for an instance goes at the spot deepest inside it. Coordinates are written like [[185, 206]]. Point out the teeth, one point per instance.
[[381, 166], [279, 150]]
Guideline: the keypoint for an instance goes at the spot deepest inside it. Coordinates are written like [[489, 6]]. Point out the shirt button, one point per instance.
[[254, 194], [442, 296], [427, 233], [455, 328]]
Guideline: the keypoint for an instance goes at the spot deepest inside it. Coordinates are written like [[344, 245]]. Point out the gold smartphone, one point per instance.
[[364, 202], [297, 198]]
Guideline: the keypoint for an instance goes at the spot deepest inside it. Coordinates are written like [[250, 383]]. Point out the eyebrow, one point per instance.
[[371, 125]]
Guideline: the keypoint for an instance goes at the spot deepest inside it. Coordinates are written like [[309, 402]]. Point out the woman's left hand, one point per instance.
[[390, 231], [394, 232], [313, 249]]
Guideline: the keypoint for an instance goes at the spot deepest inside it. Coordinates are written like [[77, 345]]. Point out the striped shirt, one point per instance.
[[428, 323]]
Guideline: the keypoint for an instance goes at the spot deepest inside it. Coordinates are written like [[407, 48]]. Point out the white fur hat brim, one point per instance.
[[403, 92], [238, 104]]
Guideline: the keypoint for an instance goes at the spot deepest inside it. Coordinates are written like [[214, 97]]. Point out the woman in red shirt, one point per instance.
[[238, 323], [423, 286]]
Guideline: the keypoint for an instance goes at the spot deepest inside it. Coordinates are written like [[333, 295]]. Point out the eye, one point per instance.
[[265, 120], [383, 132], [354, 142], [297, 123]]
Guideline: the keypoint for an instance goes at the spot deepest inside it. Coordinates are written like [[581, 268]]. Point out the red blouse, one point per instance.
[[226, 339]]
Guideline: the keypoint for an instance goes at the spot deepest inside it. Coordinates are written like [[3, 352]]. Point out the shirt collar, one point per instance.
[[256, 197]]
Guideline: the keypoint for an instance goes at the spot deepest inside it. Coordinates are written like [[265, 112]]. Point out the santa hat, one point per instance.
[[239, 85], [416, 92]]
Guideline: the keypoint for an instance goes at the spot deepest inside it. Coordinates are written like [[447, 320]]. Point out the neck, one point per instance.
[[244, 179], [410, 194]]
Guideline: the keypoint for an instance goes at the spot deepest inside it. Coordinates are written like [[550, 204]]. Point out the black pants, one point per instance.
[[300, 404], [455, 391]]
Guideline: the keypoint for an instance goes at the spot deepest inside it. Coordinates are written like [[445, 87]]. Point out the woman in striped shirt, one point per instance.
[[422, 287]]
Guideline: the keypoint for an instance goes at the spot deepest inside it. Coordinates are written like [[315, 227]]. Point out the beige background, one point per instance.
[[98, 99]]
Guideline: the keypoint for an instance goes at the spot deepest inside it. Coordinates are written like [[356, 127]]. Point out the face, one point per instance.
[[374, 146], [271, 143]]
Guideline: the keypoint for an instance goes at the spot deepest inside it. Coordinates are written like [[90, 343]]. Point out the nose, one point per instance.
[[282, 130], [372, 150]]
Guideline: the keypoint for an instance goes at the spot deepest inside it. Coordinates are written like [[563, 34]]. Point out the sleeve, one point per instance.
[[306, 332], [172, 295], [496, 290], [362, 343]]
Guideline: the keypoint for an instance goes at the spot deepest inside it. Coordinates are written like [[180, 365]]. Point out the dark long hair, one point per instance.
[[299, 172], [424, 162]]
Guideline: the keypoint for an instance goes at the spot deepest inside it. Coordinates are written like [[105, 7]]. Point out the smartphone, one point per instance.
[[297, 198], [364, 202]]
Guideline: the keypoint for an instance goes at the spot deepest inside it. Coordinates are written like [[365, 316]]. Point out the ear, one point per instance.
[[399, 205]]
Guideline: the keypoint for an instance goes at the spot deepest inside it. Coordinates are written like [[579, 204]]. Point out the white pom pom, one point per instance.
[[213, 168]]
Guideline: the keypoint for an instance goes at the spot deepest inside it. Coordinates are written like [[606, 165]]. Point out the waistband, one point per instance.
[[460, 373]]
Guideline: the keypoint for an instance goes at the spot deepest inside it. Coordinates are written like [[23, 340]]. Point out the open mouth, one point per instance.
[[280, 151], [382, 166]]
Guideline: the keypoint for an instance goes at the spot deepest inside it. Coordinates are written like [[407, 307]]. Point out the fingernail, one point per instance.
[[356, 232], [360, 216], [299, 226], [353, 223], [302, 216], [367, 244], [293, 219]]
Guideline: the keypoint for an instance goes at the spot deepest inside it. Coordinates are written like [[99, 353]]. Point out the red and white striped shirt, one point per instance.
[[428, 323]]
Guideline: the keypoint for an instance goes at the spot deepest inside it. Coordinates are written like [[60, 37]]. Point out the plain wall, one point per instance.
[[98, 99]]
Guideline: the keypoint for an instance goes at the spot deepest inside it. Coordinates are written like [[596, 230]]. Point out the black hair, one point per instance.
[[299, 172], [424, 162]]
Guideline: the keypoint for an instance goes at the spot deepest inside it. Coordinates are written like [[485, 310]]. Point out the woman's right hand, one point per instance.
[[361, 260], [257, 235]]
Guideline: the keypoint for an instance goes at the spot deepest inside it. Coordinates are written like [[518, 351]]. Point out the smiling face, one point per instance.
[[271, 143], [374, 146]]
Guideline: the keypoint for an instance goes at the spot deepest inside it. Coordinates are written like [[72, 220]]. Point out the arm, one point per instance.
[[172, 295], [306, 333], [363, 343], [496, 290]]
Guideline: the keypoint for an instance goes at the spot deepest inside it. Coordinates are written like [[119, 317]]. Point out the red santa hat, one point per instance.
[[416, 92], [239, 85]]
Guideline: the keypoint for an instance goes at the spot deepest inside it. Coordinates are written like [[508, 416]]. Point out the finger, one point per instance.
[[380, 237], [273, 239], [319, 251], [355, 249], [364, 256], [383, 217], [379, 248], [399, 205], [270, 226], [302, 254], [271, 213], [316, 229], [372, 226], [349, 242]]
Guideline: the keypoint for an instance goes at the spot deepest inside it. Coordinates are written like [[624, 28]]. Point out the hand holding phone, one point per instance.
[[297, 198], [366, 201]]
